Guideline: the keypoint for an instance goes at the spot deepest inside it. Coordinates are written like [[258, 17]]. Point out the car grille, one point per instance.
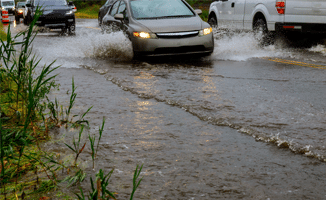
[[184, 49], [52, 19], [178, 34]]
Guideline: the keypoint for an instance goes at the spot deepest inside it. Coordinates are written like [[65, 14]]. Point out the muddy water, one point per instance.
[[184, 157], [191, 122]]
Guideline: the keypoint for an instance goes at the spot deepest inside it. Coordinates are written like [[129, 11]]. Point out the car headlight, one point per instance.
[[144, 35], [205, 31], [20, 11], [69, 12]]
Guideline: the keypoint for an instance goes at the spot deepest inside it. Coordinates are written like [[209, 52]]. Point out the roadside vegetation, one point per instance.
[[3, 34], [27, 115], [89, 9]]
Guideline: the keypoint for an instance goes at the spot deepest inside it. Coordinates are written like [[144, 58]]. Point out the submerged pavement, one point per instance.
[[226, 126]]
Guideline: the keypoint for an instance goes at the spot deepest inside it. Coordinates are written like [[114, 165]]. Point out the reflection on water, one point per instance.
[[238, 98]]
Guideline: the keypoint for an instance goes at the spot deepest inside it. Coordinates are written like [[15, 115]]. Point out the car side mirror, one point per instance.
[[23, 6], [28, 5], [71, 3], [198, 11], [118, 17]]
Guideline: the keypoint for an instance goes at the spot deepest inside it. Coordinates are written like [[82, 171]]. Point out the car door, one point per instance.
[[239, 9], [226, 12]]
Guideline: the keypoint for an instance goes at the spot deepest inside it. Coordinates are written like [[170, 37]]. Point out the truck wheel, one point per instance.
[[212, 21], [261, 32]]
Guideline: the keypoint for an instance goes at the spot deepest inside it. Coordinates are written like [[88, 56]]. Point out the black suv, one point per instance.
[[56, 14], [19, 11]]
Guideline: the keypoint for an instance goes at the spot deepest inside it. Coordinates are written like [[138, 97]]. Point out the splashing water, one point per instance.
[[318, 49], [112, 46], [84, 46], [92, 44], [240, 46]]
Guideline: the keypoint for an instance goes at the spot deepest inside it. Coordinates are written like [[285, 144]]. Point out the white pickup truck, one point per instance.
[[307, 16]]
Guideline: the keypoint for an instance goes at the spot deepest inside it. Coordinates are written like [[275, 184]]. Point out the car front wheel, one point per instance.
[[17, 19], [99, 20], [72, 29]]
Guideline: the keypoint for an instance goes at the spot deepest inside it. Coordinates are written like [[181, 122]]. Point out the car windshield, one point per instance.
[[149, 9], [50, 2], [8, 3], [20, 4]]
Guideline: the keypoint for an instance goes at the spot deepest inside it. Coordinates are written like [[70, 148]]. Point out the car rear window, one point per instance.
[[149, 9]]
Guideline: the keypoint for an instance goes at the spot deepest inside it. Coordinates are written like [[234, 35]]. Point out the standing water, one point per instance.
[[190, 121]]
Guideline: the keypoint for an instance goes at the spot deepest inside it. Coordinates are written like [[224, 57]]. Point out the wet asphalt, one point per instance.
[[246, 123]]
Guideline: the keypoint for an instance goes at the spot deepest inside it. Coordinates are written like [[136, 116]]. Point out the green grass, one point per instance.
[[90, 12], [3, 34]]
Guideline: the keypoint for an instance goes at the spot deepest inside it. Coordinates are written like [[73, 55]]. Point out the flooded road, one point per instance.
[[247, 122]]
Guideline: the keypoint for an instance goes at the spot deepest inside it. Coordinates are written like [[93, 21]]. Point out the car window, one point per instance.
[[147, 9], [50, 2], [114, 8], [108, 2], [122, 8]]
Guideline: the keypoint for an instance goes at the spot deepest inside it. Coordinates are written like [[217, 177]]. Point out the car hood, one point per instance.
[[172, 24], [49, 9]]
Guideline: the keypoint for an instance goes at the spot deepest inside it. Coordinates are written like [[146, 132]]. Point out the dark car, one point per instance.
[[103, 10], [56, 14], [19, 11]]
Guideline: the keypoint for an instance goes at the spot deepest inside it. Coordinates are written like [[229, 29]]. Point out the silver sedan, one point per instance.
[[161, 27]]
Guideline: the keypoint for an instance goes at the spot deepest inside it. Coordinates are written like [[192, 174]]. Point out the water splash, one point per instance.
[[318, 49], [71, 52], [241, 46], [112, 46]]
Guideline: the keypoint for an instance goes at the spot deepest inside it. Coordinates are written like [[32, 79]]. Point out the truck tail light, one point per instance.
[[280, 6]]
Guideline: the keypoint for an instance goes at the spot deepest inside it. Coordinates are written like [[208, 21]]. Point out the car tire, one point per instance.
[[212, 21], [261, 32], [17, 19], [27, 21], [99, 20], [72, 29]]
